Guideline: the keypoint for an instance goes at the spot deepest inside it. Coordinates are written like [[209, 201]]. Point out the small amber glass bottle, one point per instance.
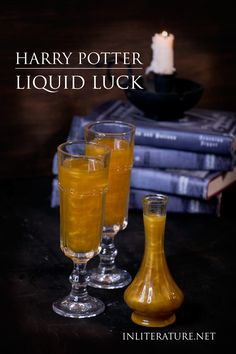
[[153, 295]]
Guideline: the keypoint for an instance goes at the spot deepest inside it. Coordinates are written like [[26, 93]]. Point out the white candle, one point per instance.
[[162, 54]]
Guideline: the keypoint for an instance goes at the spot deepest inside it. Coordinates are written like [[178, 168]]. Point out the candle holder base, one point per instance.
[[165, 97], [164, 82]]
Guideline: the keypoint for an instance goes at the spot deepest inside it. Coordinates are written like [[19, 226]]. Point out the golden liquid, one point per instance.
[[82, 184], [153, 294], [121, 160]]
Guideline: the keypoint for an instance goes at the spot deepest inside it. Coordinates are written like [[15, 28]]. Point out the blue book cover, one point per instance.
[[196, 184], [153, 157], [148, 156], [200, 130], [176, 204], [191, 183]]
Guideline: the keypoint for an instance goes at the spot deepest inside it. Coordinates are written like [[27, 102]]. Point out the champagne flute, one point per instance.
[[83, 180], [119, 137]]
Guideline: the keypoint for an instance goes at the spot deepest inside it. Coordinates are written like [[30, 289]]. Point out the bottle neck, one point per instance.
[[154, 215], [155, 204], [154, 226]]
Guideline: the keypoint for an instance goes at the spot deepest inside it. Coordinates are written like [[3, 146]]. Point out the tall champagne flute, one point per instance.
[[119, 137], [83, 180]]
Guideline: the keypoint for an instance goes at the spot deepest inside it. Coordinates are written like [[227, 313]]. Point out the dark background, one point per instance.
[[199, 248], [34, 122]]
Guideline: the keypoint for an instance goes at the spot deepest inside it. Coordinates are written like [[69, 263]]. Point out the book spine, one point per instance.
[[147, 134], [150, 135], [178, 204], [55, 164], [55, 199], [168, 182], [146, 156], [175, 203], [163, 137]]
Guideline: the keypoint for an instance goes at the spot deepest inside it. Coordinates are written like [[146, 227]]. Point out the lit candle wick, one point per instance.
[[164, 34]]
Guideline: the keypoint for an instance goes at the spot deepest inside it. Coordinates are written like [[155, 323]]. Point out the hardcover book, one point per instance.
[[150, 156], [197, 184], [153, 157], [200, 130], [176, 203]]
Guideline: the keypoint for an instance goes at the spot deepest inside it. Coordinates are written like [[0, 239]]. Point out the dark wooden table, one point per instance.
[[200, 252]]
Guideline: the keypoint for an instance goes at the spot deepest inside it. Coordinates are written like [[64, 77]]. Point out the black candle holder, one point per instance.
[[164, 82], [161, 97], [165, 97]]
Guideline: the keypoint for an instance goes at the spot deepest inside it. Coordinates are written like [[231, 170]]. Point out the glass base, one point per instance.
[[69, 307], [112, 279]]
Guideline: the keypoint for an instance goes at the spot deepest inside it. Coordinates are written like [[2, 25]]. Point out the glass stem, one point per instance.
[[79, 281], [108, 254]]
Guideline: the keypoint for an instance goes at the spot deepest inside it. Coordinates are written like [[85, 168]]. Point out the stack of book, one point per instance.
[[191, 159]]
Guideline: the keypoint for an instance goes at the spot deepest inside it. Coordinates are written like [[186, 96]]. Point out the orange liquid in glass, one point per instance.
[[82, 184], [121, 160], [153, 295]]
